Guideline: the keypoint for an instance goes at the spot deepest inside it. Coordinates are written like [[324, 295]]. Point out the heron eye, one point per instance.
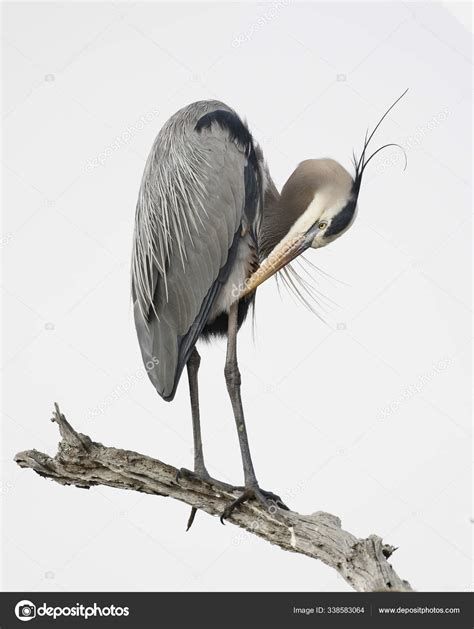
[[322, 225]]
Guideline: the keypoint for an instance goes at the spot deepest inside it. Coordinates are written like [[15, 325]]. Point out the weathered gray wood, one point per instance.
[[85, 463]]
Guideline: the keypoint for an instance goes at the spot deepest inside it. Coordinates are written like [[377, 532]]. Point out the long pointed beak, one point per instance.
[[282, 254]]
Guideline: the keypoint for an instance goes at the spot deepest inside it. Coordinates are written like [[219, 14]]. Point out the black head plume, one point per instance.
[[361, 163]]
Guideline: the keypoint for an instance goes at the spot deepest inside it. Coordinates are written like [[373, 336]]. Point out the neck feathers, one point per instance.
[[282, 211], [315, 185]]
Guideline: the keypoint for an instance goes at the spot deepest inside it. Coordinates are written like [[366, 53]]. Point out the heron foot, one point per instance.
[[202, 475], [270, 501]]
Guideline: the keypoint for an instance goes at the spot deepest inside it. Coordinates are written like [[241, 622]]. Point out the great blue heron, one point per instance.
[[210, 227]]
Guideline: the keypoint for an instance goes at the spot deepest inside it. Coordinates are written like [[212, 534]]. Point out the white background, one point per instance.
[[367, 416]]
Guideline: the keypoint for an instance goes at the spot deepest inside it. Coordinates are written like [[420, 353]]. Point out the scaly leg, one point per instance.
[[193, 368], [233, 381], [200, 470], [199, 467]]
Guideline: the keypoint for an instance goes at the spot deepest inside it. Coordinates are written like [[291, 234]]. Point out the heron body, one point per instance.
[[195, 235], [210, 227]]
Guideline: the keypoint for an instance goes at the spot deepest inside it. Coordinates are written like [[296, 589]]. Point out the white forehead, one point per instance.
[[328, 201]]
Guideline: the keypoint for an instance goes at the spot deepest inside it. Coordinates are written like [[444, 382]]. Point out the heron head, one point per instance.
[[331, 202], [318, 204]]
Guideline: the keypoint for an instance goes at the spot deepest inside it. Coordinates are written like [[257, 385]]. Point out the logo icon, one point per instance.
[[25, 610]]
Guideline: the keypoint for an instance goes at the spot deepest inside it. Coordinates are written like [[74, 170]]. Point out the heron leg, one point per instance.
[[200, 471], [233, 382], [193, 367], [199, 467]]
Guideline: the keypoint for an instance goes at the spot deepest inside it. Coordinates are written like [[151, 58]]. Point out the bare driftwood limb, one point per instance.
[[84, 463]]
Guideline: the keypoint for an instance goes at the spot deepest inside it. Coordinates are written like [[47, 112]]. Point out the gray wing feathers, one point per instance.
[[190, 206]]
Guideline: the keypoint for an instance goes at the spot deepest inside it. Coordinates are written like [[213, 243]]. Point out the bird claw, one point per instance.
[[270, 501], [184, 473], [204, 476], [192, 515]]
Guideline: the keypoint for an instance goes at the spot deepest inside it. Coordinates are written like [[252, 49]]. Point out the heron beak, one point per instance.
[[286, 251]]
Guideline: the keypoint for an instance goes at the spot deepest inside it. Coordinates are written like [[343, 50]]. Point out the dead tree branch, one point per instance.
[[84, 463]]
